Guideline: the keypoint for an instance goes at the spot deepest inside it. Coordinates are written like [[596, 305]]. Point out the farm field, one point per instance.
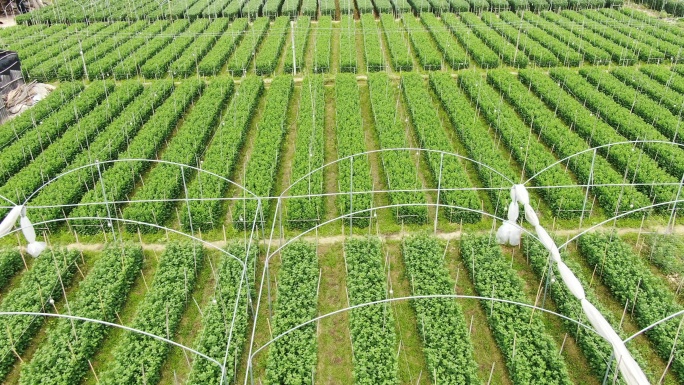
[[283, 193], [183, 48]]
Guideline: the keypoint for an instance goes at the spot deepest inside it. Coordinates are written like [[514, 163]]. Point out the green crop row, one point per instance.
[[263, 164], [213, 62], [105, 65], [566, 143], [44, 64], [188, 62], [400, 170], [509, 53], [530, 352], [232, 10], [38, 291], [402, 6], [14, 129], [64, 149], [196, 10], [251, 8], [590, 53], [133, 61], [621, 87], [596, 349], [371, 327], [10, 263], [662, 34], [322, 45], [63, 358], [354, 174], [664, 251], [159, 64], [623, 49], [78, 66], [382, 6], [630, 162], [295, 58], [307, 208], [347, 44], [327, 8], [474, 134], [533, 49], [568, 55], [448, 171], [669, 157], [244, 53], [167, 181], [292, 358], [400, 54], [215, 9], [479, 51], [310, 8], [213, 337], [271, 8], [619, 54], [430, 58], [69, 188], [22, 151], [447, 344], [290, 8], [665, 76], [565, 202], [221, 158], [49, 38], [645, 40], [454, 55], [138, 358], [118, 181], [269, 53], [664, 98], [363, 6], [631, 282], [372, 51]]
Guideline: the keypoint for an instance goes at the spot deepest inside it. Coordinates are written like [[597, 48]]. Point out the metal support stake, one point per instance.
[[439, 189]]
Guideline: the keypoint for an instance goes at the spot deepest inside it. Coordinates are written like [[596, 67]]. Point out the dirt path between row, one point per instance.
[[333, 239]]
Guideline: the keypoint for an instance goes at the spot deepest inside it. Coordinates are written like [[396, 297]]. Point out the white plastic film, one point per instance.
[[508, 234], [27, 229], [513, 211], [521, 194], [531, 216], [9, 221], [630, 370], [599, 323], [545, 238], [571, 281], [35, 248]]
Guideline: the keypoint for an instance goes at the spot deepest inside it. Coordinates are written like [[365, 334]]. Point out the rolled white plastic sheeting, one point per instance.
[[510, 233], [19, 212]]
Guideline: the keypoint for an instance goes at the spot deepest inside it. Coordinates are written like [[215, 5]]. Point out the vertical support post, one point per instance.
[[104, 197], [610, 364], [548, 278], [590, 182], [268, 285], [439, 189], [351, 194], [294, 57], [673, 213]]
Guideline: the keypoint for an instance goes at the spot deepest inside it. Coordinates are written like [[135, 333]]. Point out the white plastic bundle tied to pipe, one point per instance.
[[510, 232], [19, 212]]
